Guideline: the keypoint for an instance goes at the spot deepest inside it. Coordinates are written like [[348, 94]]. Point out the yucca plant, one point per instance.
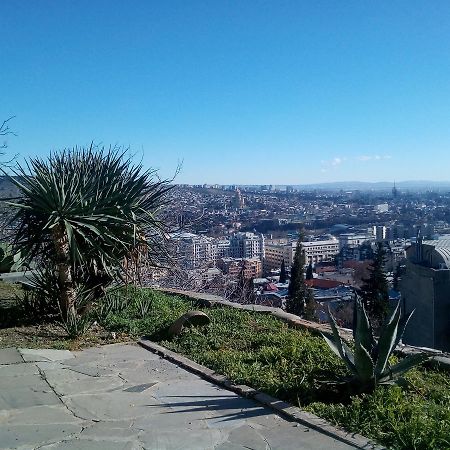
[[369, 363], [9, 261], [84, 210], [79, 319]]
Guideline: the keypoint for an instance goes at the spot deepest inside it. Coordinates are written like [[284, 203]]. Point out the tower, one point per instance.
[[394, 191]]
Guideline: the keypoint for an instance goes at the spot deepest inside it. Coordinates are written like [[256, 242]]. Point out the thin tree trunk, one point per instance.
[[65, 280]]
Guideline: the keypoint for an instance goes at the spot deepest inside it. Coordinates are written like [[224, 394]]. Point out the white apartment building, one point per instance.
[[352, 240], [319, 251], [379, 232], [223, 248], [382, 208], [194, 251], [247, 245], [315, 252]]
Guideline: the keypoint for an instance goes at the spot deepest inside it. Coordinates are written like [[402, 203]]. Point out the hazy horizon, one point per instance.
[[388, 183]]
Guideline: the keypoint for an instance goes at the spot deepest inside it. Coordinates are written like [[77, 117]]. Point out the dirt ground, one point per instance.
[[52, 336], [47, 335]]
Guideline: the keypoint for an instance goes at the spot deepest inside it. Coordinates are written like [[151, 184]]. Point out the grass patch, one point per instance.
[[262, 351]]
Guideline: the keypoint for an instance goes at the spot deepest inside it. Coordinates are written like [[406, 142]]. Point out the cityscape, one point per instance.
[[225, 232]]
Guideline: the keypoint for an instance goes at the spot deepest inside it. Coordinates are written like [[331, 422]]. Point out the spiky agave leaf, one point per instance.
[[339, 345], [387, 341], [402, 326], [363, 334], [403, 366], [364, 364]]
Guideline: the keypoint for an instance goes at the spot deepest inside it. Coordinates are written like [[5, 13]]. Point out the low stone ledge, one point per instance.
[[281, 407]]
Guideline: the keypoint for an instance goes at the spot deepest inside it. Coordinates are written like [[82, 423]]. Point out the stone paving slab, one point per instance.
[[10, 356], [34, 355], [122, 397]]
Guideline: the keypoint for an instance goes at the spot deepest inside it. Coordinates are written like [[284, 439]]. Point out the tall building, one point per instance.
[[394, 191], [223, 248], [238, 201], [379, 231], [425, 288], [247, 245], [194, 251], [315, 252], [275, 253]]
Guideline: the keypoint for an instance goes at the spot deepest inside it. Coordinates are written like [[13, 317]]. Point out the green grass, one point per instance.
[[262, 351]]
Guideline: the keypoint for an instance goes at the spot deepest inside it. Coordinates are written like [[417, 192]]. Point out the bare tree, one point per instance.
[[5, 130], [5, 213]]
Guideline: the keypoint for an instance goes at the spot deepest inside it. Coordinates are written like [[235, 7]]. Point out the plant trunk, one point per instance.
[[64, 272]]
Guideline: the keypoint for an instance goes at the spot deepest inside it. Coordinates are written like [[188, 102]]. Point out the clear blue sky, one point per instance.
[[249, 92]]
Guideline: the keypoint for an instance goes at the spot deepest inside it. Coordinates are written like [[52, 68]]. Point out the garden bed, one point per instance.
[[18, 329], [294, 365]]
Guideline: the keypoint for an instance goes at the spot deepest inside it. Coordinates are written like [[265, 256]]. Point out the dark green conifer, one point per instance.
[[375, 290], [310, 305], [283, 275], [309, 272], [295, 303]]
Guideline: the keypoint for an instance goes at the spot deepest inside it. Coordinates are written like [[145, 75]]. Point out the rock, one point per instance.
[[191, 318]]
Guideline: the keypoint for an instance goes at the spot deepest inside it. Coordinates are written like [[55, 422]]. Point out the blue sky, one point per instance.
[[247, 92]]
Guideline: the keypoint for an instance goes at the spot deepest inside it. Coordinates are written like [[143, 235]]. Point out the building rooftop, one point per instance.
[[435, 253]]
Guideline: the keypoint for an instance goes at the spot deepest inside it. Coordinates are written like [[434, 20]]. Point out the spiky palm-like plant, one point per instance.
[[369, 363], [9, 262], [82, 211]]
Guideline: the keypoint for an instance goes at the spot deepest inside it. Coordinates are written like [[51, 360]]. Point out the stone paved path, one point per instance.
[[124, 397]]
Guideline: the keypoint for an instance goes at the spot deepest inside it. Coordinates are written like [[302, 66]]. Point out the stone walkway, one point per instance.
[[124, 397]]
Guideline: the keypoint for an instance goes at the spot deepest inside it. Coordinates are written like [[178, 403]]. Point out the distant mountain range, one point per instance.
[[419, 185], [7, 189], [381, 185]]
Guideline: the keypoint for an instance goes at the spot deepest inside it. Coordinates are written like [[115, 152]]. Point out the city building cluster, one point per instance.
[[228, 236]]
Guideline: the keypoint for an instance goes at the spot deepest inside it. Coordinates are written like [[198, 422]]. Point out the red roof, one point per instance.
[[270, 287], [326, 269], [320, 283]]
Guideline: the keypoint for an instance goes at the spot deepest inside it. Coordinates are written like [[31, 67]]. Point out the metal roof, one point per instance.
[[441, 247]]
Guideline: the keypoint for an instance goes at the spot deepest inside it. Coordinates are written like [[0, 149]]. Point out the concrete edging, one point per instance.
[[283, 408]]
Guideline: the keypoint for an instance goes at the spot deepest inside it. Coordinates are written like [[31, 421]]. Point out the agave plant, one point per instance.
[[85, 210], [369, 363]]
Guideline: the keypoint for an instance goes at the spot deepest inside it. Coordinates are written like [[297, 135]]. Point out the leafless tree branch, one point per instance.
[[5, 130]]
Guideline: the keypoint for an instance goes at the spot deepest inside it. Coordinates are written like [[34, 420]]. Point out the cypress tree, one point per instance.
[[310, 305], [309, 272], [397, 276], [295, 303], [283, 276], [375, 290]]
